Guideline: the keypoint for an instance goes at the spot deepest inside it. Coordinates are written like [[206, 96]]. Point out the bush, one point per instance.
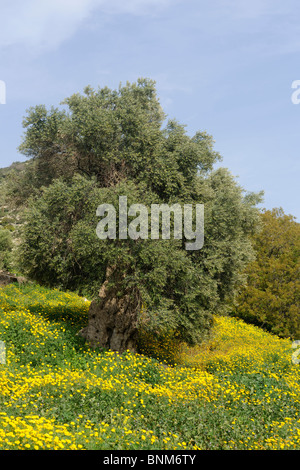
[[271, 298], [6, 246]]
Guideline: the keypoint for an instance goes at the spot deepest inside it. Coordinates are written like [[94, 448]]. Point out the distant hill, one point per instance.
[[15, 166], [10, 216]]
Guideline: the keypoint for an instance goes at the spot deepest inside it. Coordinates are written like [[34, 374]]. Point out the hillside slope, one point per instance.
[[239, 391]]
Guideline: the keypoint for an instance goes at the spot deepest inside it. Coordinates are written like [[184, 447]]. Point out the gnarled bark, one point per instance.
[[112, 320]]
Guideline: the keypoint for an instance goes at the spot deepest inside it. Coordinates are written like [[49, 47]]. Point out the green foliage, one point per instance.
[[180, 289], [5, 240], [116, 134], [111, 143], [20, 184], [6, 246], [271, 298], [58, 249]]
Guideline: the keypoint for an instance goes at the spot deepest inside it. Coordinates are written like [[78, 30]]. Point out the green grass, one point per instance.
[[239, 391]]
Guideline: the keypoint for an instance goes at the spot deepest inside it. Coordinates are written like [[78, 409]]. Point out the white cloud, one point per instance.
[[43, 24]]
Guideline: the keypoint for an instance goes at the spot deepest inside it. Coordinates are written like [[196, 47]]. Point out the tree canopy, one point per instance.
[[115, 135], [110, 143], [271, 297]]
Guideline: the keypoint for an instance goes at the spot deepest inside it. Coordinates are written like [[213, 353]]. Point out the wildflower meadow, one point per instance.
[[239, 390]]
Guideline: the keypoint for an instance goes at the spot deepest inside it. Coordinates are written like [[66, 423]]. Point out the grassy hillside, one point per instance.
[[9, 218], [239, 391], [15, 166]]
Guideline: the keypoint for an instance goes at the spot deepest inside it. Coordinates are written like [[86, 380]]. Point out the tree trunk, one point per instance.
[[112, 320]]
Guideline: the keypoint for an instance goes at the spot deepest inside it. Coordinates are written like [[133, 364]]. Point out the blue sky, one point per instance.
[[226, 67]]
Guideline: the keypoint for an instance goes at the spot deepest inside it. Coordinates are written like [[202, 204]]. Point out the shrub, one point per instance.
[[271, 298], [6, 246]]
